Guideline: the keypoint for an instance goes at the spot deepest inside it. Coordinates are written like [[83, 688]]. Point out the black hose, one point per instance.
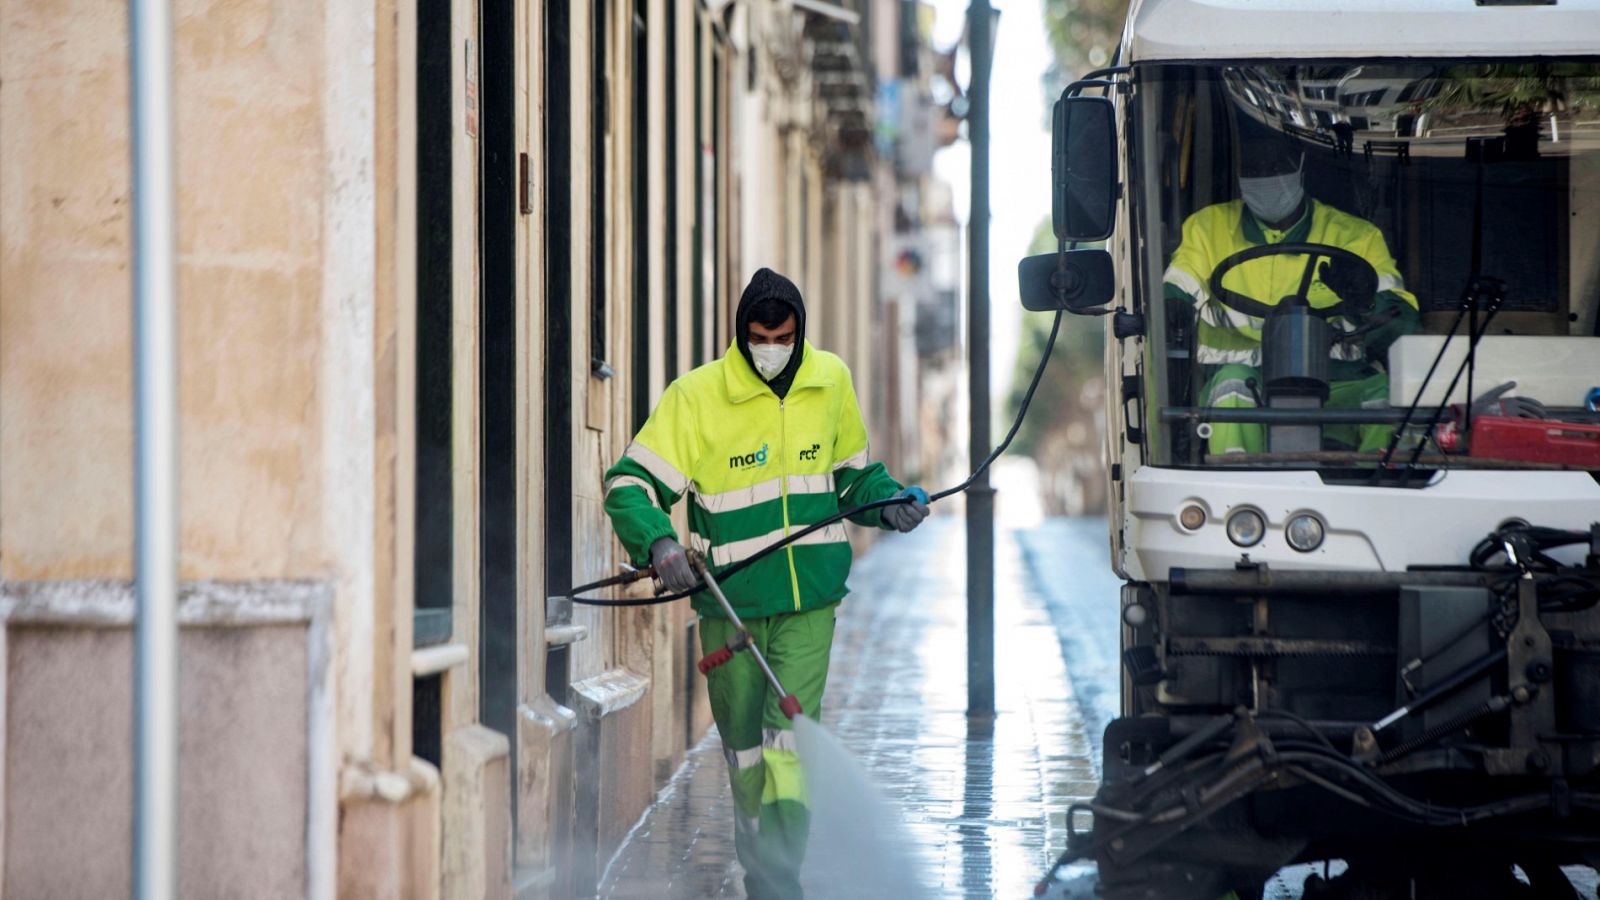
[[739, 565], [1422, 810], [1537, 539], [1310, 729], [1301, 756], [1578, 595]]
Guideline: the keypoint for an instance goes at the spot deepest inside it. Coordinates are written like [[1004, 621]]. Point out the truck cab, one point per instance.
[[1348, 262]]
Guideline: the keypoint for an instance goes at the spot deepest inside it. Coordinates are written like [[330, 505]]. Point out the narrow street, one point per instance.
[[986, 812], [365, 365]]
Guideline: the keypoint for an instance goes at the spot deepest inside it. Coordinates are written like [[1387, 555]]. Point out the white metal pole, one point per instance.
[[155, 354], [980, 496]]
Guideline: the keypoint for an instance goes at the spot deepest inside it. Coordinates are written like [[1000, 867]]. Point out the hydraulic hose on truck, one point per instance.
[[740, 565]]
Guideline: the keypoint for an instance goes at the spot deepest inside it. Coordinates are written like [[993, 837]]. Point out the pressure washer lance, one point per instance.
[[741, 640]]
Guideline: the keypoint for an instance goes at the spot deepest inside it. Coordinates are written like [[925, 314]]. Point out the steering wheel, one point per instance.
[[1251, 307]]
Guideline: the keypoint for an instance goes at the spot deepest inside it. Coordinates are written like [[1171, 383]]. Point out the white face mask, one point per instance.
[[1273, 198], [771, 359]]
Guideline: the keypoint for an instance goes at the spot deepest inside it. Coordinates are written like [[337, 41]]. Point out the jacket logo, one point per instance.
[[758, 458], [812, 453]]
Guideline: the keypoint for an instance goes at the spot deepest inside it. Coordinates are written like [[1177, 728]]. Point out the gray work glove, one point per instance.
[[903, 517], [1494, 402], [672, 565]]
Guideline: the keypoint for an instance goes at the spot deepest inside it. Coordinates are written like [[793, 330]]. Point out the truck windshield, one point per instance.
[[1310, 234]]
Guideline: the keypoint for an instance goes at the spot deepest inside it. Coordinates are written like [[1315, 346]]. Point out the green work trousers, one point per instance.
[[1228, 388], [771, 816]]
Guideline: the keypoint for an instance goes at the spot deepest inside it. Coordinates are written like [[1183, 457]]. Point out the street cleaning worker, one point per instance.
[[1273, 208], [767, 439]]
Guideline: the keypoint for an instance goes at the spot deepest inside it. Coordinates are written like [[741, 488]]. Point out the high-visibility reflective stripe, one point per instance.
[[779, 739], [1186, 282], [1346, 351], [1222, 317], [771, 489], [1391, 282], [811, 484], [665, 472], [742, 498], [857, 461], [1213, 356], [1207, 355], [742, 759], [749, 825], [730, 553], [622, 481], [1231, 389]]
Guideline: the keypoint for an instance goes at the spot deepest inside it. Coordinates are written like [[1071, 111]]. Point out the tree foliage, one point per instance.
[[1064, 429], [1083, 35], [1076, 360]]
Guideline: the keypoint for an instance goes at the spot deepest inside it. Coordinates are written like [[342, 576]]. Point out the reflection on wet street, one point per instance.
[[984, 803]]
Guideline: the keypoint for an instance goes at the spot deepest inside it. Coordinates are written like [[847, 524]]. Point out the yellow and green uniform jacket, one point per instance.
[[1216, 232], [759, 468]]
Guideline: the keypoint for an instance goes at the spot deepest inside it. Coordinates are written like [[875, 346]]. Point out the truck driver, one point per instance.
[[1273, 208]]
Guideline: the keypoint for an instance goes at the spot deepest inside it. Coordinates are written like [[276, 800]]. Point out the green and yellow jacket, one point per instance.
[[758, 468], [1216, 232]]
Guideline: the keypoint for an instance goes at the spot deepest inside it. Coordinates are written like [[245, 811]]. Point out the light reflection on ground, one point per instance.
[[985, 808]]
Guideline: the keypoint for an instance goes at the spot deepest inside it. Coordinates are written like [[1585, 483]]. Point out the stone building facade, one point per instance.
[[437, 258]]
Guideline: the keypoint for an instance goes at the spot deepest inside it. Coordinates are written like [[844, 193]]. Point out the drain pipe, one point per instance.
[[980, 496], [155, 354]]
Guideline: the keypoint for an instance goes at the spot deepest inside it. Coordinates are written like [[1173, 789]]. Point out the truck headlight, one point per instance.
[[1304, 532], [1246, 527], [1191, 517]]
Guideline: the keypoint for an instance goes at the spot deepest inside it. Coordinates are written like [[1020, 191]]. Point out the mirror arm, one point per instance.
[[1108, 70], [1067, 281], [1100, 78], [1062, 281], [1126, 325], [1077, 87]]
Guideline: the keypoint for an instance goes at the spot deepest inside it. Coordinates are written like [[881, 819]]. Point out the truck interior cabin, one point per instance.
[[1483, 180]]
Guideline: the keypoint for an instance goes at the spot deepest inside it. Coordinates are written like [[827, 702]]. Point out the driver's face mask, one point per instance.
[[1274, 198]]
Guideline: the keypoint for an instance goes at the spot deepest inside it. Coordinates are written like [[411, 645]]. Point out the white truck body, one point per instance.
[[1370, 528], [1391, 655]]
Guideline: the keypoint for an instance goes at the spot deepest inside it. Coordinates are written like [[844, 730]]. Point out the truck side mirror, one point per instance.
[[1079, 281], [1083, 168]]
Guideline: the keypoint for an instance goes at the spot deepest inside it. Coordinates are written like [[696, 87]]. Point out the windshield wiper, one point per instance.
[[1481, 292]]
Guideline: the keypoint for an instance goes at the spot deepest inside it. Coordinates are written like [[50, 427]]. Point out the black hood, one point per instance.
[[764, 284]]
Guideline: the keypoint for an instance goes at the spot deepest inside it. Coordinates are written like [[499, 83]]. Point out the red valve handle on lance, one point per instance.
[[790, 704]]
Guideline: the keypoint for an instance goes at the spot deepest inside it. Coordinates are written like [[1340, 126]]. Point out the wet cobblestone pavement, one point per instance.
[[986, 811]]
